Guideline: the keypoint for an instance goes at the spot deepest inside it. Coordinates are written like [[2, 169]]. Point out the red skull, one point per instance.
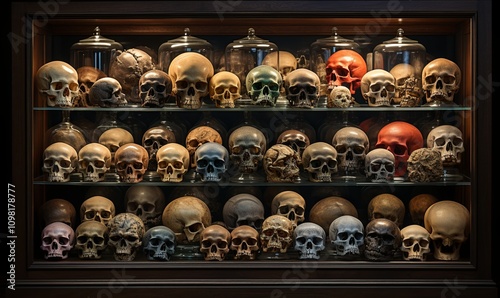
[[345, 68]]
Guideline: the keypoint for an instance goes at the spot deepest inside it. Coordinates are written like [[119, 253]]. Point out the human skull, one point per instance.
[[225, 89], [345, 68], [277, 234], [340, 97], [441, 81], [424, 165], [59, 161], [352, 145], [401, 138], [126, 231], [388, 206], [408, 85], [113, 139], [107, 93], [214, 242], [263, 85], [291, 205], [153, 139], [97, 208], [199, 136], [247, 146], [159, 243], [245, 242], [309, 239], [418, 205], [57, 241], [378, 88], [190, 73], [147, 202], [380, 165], [173, 162], [281, 164], [330, 208], [58, 210], [87, 76], [57, 84], [448, 223], [243, 209], [131, 162], [94, 160], [347, 235], [155, 87], [91, 239], [447, 140], [416, 243], [187, 216], [382, 239], [302, 88], [320, 161], [211, 161]]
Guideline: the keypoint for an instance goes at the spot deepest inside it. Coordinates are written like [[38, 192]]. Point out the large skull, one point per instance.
[[347, 235], [57, 240], [387, 206], [277, 234], [243, 209], [94, 160], [447, 140], [340, 97], [211, 161], [263, 85], [440, 81], [58, 210], [382, 240], [302, 88], [345, 68], [91, 239], [281, 164], [352, 145], [97, 208], [173, 162], [87, 76], [153, 139], [155, 87], [59, 161], [214, 242], [113, 139], [107, 93], [126, 231], [247, 146], [295, 139], [378, 88], [416, 243], [190, 73], [380, 165], [310, 240], [408, 85], [245, 242], [147, 202], [325, 211], [159, 243], [291, 205], [224, 89], [199, 136], [320, 161], [57, 84], [131, 162]]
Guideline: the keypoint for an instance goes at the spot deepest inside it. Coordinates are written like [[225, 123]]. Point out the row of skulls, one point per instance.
[[191, 78], [156, 227]]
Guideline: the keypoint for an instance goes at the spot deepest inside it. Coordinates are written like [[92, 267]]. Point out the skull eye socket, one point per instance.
[[178, 165], [430, 79], [268, 232], [284, 209], [131, 238], [343, 236], [341, 149], [358, 236], [82, 239], [98, 240], [194, 228], [236, 149], [447, 79], [300, 240], [399, 150], [181, 84], [132, 206], [221, 244], [423, 242], [90, 214], [317, 240], [193, 143], [457, 141], [282, 233], [219, 163], [47, 240], [332, 163], [251, 241], [202, 163], [148, 207], [48, 163], [64, 163], [316, 163], [357, 149], [155, 241], [341, 72], [105, 214], [201, 85], [63, 240], [99, 163], [236, 241], [137, 165], [160, 88]]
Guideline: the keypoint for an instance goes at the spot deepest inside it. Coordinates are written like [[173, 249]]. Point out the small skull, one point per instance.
[[387, 206], [87, 76], [382, 239], [94, 160], [295, 139], [245, 242], [277, 234], [408, 85], [59, 161], [378, 88], [302, 87], [347, 235], [448, 141], [380, 165], [263, 85], [345, 68], [247, 145], [243, 209], [153, 139], [198, 136], [352, 145], [340, 97], [131, 162], [281, 164], [310, 239], [440, 81], [155, 87], [291, 205], [147, 202], [320, 161], [126, 231], [57, 241], [416, 243], [173, 162], [107, 93], [91, 239], [97, 208], [159, 243], [214, 242], [57, 84], [224, 89], [211, 161]]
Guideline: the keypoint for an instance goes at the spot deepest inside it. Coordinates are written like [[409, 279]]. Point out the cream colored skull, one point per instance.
[[440, 81], [57, 241], [57, 84], [173, 162], [378, 88], [247, 146], [408, 85], [347, 235], [448, 223], [281, 164], [224, 89], [214, 242], [447, 140], [153, 139], [131, 162], [147, 202], [310, 240], [340, 97], [87, 76], [416, 243], [107, 93], [285, 62], [97, 208], [91, 239], [320, 161], [113, 139], [126, 231], [155, 87], [277, 234], [380, 165], [59, 161], [302, 88], [352, 145], [388, 206], [190, 73], [328, 209], [94, 160], [263, 85], [199, 136], [291, 205], [245, 242]]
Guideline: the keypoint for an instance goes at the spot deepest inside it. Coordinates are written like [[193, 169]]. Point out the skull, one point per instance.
[[91, 239], [173, 162], [328, 209], [387, 206], [126, 231], [57, 84], [159, 243], [214, 242], [187, 216], [380, 165], [97, 208], [352, 145], [408, 86], [340, 97], [87, 76], [57, 241], [281, 164], [224, 89], [448, 223], [345, 68], [263, 85], [418, 205], [59, 161], [58, 210], [155, 87], [447, 140], [320, 161], [211, 161], [440, 81], [131, 162], [291, 205], [113, 139], [347, 236], [94, 160], [378, 88], [147, 202], [190, 73], [309, 240], [107, 93], [153, 139], [401, 138], [247, 145], [198, 136], [424, 165], [245, 242], [277, 234], [295, 139], [243, 209], [302, 88], [382, 239], [416, 243]]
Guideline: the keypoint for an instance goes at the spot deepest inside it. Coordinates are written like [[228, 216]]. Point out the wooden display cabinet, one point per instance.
[[459, 30]]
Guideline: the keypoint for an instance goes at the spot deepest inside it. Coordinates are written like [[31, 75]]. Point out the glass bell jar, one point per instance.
[[185, 43], [96, 51]]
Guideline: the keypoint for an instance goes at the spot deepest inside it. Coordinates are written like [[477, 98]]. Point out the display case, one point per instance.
[[457, 30]]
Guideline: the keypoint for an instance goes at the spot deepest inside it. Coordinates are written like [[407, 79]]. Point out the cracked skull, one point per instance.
[[126, 231]]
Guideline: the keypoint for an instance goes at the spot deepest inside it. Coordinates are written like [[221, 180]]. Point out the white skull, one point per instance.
[[107, 93], [440, 81], [281, 164], [113, 139], [57, 84], [302, 87], [380, 165], [91, 239], [347, 235], [295, 139], [408, 85], [97, 208], [309, 240], [214, 242], [340, 97], [320, 161], [291, 205], [245, 242], [59, 161], [243, 209], [247, 146], [378, 88], [87, 76], [416, 243], [153, 139], [126, 231], [352, 145], [447, 140], [211, 161], [190, 73], [224, 89], [147, 202], [155, 87], [199, 136], [173, 162], [382, 240], [57, 241], [131, 162], [263, 85], [94, 160], [159, 243], [277, 234], [387, 206]]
